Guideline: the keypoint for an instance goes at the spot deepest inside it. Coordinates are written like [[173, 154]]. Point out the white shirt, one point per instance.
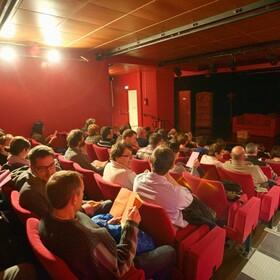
[[211, 160], [155, 189]]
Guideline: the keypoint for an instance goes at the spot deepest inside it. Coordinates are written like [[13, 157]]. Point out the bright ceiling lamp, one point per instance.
[[8, 54], [8, 31], [53, 56]]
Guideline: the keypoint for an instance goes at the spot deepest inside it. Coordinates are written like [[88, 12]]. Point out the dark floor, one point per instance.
[[233, 260]]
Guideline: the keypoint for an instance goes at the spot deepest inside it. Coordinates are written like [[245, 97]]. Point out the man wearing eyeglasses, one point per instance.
[[33, 194]]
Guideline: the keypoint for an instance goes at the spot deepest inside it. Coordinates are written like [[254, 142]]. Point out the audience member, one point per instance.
[[129, 136], [237, 163], [118, 171], [215, 154], [93, 134], [262, 153], [5, 141], [87, 123], [18, 151], [182, 139], [159, 187], [172, 133], [275, 155], [155, 140], [37, 134], [164, 134], [107, 137], [142, 137], [76, 151], [201, 142], [73, 236], [33, 195]]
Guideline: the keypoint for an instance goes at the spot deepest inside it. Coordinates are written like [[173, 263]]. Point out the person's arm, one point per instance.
[[117, 259]]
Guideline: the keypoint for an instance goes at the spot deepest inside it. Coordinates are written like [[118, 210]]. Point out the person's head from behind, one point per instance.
[[65, 188], [129, 136], [238, 153], [275, 152], [89, 121], [216, 150], [75, 138], [42, 163], [141, 132], [251, 149], [19, 146], [121, 153], [201, 141], [155, 139], [106, 133], [37, 128], [175, 147], [163, 133], [5, 141], [93, 129], [181, 138], [162, 160]]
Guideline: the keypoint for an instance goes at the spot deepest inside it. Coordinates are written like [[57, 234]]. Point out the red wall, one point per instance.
[[61, 95]]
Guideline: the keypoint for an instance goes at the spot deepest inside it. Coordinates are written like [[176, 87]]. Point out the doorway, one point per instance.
[[132, 109]]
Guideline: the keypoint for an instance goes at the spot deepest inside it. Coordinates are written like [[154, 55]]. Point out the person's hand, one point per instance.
[[133, 215], [90, 207], [114, 221], [196, 163]]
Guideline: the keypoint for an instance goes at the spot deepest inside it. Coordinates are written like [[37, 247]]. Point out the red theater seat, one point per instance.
[[210, 171], [102, 153], [91, 152], [139, 165], [65, 163]]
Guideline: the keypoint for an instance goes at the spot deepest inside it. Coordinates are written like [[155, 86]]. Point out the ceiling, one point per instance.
[[188, 34]]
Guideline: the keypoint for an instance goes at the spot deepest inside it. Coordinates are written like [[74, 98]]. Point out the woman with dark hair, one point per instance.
[[18, 151], [37, 134], [5, 141]]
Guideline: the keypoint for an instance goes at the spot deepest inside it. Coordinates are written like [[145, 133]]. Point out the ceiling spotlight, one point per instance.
[[8, 54], [53, 56]]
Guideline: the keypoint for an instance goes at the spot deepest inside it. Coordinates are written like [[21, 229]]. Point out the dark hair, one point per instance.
[[39, 151], [74, 137], [17, 145], [215, 148], [174, 147], [128, 133], [163, 133], [181, 138], [162, 160], [201, 141], [61, 186], [117, 150], [105, 131], [37, 128], [275, 151], [154, 139]]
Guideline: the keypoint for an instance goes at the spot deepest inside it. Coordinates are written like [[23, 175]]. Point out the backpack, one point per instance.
[[233, 190]]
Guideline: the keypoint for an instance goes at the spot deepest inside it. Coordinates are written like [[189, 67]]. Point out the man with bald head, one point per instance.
[[237, 163]]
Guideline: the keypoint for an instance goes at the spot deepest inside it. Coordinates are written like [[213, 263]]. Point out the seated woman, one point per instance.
[[5, 141], [18, 151], [37, 134], [88, 122], [215, 153]]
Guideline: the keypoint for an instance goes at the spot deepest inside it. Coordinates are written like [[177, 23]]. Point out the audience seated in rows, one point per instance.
[[37, 134], [237, 163], [118, 170], [18, 151], [98, 254], [33, 196]]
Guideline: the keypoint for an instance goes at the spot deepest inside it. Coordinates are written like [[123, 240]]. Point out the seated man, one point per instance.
[[142, 137], [252, 156], [33, 195], [107, 137], [129, 136], [159, 187], [77, 151], [118, 171], [237, 163], [89, 250]]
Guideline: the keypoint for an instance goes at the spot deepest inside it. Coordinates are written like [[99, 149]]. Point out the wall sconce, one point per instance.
[[126, 87]]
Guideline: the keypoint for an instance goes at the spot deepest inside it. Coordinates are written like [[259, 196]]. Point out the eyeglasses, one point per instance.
[[45, 168], [131, 155]]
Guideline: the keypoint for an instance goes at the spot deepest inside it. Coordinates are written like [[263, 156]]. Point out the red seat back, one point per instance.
[[275, 167], [267, 171], [65, 163], [245, 180], [156, 223], [139, 165], [90, 152], [54, 265], [101, 153], [212, 193], [210, 171], [92, 190], [22, 214], [109, 190]]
